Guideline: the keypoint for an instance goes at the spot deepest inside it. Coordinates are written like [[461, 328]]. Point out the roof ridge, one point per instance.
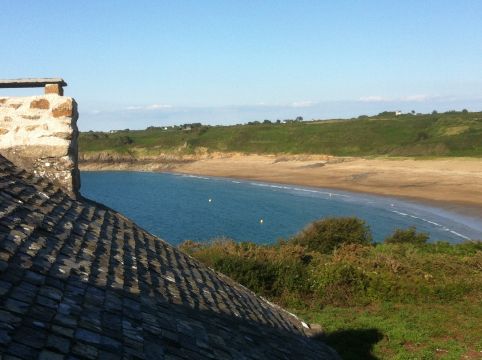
[[77, 277]]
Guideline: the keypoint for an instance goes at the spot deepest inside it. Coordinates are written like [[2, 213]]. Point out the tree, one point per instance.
[[325, 235], [299, 118], [407, 236], [387, 113]]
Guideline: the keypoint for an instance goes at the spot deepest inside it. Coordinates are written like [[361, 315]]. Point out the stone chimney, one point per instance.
[[39, 133]]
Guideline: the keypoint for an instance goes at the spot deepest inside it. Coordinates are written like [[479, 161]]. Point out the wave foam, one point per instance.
[[432, 223], [298, 189]]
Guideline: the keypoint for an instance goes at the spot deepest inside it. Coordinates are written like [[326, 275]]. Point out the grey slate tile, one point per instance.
[[81, 281]]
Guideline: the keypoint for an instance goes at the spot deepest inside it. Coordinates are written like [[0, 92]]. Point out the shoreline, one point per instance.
[[463, 209], [451, 184]]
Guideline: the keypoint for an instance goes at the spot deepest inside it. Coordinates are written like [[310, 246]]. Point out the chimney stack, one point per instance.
[[39, 133]]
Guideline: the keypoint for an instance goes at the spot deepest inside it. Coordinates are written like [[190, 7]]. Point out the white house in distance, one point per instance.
[[398, 112]]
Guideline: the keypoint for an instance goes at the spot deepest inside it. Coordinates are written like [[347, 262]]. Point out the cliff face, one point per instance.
[[39, 134]]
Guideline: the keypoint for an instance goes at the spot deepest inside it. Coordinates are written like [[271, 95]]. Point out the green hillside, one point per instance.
[[448, 134]]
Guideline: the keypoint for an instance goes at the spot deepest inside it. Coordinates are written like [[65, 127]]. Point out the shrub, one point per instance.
[[341, 284], [409, 235], [258, 275], [422, 135], [273, 271], [124, 140], [327, 234]]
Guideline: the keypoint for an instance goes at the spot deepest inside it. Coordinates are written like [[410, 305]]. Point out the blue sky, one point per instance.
[[131, 64]]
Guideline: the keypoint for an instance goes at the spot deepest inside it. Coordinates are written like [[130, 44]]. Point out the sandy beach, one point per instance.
[[453, 183]]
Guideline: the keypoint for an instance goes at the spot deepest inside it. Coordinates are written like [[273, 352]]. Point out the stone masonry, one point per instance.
[[39, 134]]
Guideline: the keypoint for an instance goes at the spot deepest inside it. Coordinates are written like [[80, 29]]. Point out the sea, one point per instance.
[[178, 207]]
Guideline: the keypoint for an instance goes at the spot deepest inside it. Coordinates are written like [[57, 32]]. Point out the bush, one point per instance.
[[273, 271], [354, 274], [422, 135], [325, 235], [124, 140], [341, 284], [258, 275], [410, 236]]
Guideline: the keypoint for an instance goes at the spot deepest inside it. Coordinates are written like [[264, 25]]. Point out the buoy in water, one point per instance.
[[261, 221], [210, 200]]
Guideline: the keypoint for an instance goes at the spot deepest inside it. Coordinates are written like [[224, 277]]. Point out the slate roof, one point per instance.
[[80, 281]]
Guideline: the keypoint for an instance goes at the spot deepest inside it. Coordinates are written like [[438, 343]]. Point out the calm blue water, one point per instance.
[[179, 207]]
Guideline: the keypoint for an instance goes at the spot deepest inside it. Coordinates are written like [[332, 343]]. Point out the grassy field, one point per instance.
[[447, 134], [403, 331], [397, 300]]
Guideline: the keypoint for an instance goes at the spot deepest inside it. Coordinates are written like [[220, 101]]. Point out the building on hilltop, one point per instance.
[[80, 281]]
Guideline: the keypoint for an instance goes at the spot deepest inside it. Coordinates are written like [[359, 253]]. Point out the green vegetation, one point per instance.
[[404, 298], [437, 134], [409, 235], [327, 234]]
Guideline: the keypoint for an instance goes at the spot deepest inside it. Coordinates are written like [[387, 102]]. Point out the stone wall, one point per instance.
[[39, 134]]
